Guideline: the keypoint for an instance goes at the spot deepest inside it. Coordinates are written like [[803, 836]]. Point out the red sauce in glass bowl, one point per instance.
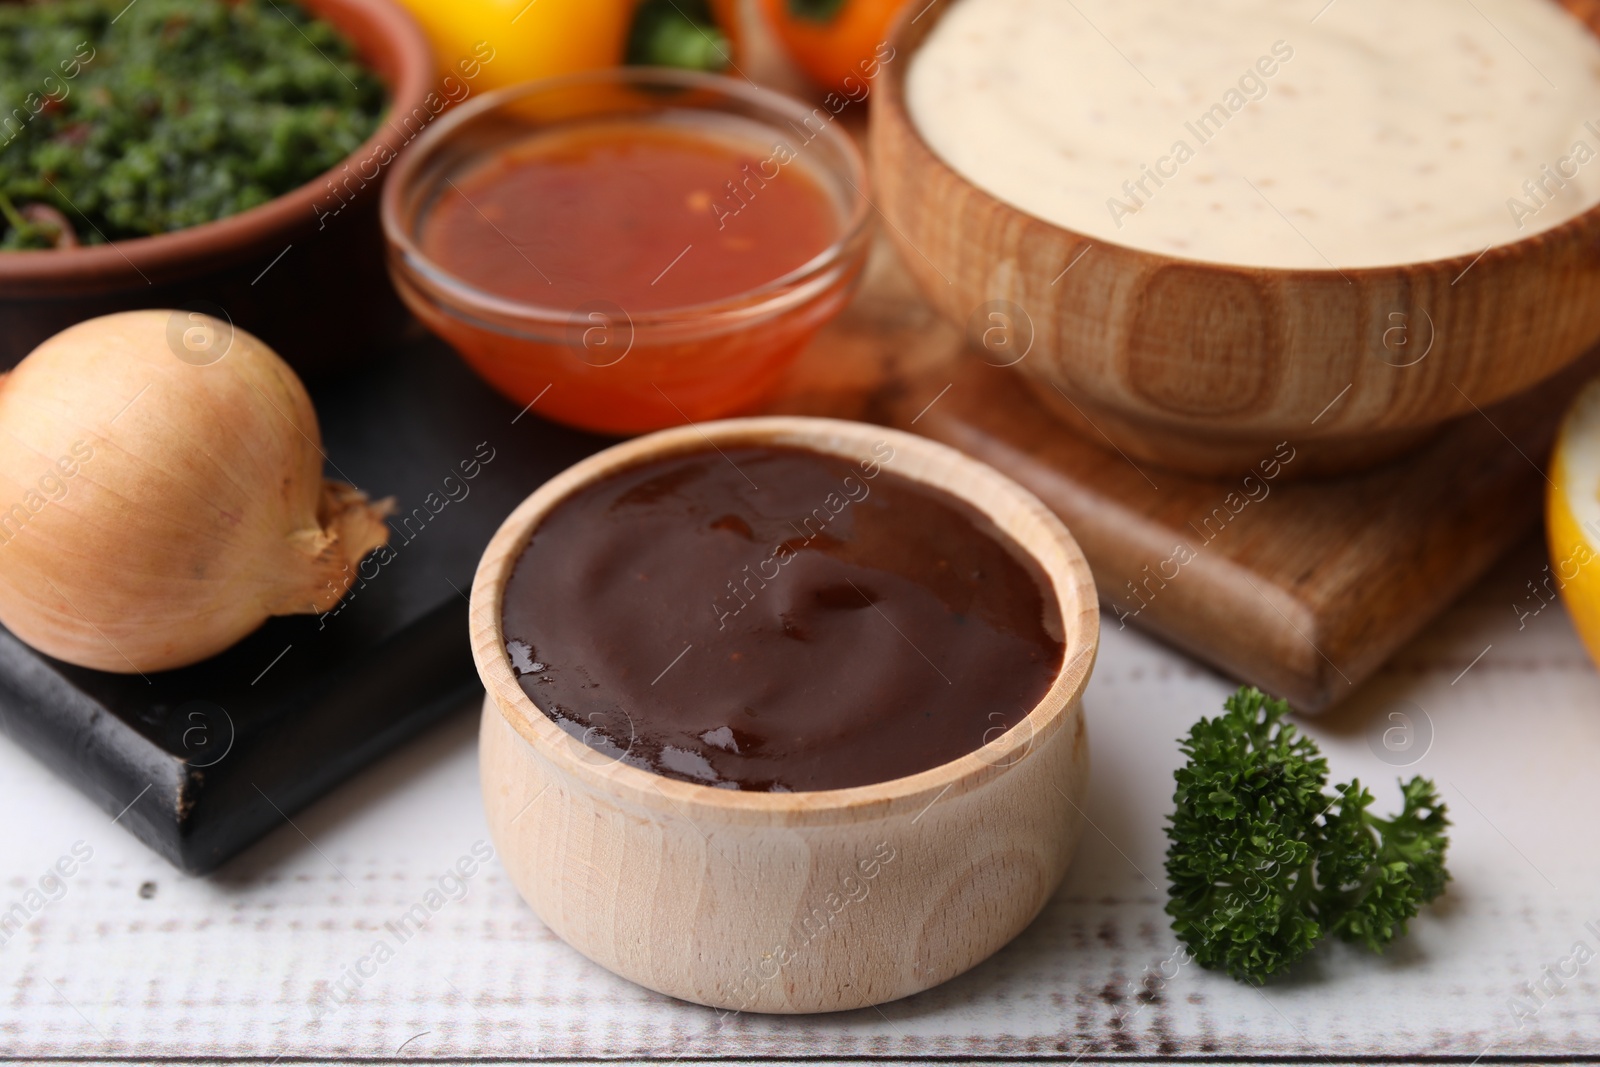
[[649, 216], [631, 249]]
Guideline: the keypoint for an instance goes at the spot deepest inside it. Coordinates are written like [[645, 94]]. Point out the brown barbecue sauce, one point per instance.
[[770, 618]]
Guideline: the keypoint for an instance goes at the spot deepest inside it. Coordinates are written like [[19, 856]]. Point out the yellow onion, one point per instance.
[[161, 494]]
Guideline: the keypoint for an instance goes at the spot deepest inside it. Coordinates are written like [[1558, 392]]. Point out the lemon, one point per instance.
[[1572, 515]]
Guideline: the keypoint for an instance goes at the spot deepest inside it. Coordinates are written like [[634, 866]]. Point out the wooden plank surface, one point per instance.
[[135, 962]]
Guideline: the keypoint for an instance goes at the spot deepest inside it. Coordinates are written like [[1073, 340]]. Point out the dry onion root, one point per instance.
[[156, 509]]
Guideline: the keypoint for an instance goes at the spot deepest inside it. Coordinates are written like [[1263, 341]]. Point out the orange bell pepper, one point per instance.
[[838, 43]]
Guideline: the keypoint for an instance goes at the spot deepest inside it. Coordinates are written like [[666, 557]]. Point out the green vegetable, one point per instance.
[[816, 10], [677, 33], [1263, 863], [138, 119]]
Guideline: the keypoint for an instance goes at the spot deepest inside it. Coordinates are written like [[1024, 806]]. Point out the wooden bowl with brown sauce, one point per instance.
[[753, 899], [1205, 367]]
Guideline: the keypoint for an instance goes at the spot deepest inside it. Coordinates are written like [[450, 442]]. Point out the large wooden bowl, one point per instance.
[[789, 902], [1206, 367]]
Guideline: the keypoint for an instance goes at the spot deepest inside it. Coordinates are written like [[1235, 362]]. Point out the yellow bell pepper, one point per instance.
[[489, 44], [509, 41]]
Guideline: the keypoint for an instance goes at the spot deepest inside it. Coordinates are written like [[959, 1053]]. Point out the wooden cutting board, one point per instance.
[[1302, 587]]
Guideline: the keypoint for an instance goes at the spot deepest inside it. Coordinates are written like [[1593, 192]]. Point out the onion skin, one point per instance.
[[199, 511]]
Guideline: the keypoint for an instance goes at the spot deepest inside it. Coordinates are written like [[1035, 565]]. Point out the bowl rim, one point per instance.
[[408, 83], [906, 37], [937, 465], [464, 297]]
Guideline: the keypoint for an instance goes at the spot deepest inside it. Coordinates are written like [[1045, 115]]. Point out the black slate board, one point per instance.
[[201, 762]]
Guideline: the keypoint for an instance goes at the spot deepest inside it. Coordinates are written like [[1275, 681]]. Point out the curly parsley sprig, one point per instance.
[[1264, 863]]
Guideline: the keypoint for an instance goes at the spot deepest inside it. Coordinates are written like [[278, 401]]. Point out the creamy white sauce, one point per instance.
[[1277, 133]]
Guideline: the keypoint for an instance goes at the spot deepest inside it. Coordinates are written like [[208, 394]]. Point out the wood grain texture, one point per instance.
[[798, 902], [1201, 366], [1303, 588]]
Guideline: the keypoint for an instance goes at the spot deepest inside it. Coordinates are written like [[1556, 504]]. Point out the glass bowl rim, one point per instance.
[[461, 296]]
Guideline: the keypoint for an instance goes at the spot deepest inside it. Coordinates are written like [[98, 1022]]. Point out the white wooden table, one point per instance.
[[135, 963]]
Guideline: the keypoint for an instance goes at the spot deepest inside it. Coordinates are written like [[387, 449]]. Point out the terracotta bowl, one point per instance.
[[789, 902], [323, 303], [1205, 367]]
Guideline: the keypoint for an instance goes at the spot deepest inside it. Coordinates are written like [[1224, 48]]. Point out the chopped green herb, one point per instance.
[[139, 119]]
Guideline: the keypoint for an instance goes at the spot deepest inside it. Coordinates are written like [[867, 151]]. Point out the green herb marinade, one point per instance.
[[143, 118]]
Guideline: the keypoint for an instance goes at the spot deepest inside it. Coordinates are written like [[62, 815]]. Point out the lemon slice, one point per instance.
[[1572, 515]]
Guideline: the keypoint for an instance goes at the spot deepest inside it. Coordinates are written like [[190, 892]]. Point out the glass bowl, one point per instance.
[[593, 363]]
